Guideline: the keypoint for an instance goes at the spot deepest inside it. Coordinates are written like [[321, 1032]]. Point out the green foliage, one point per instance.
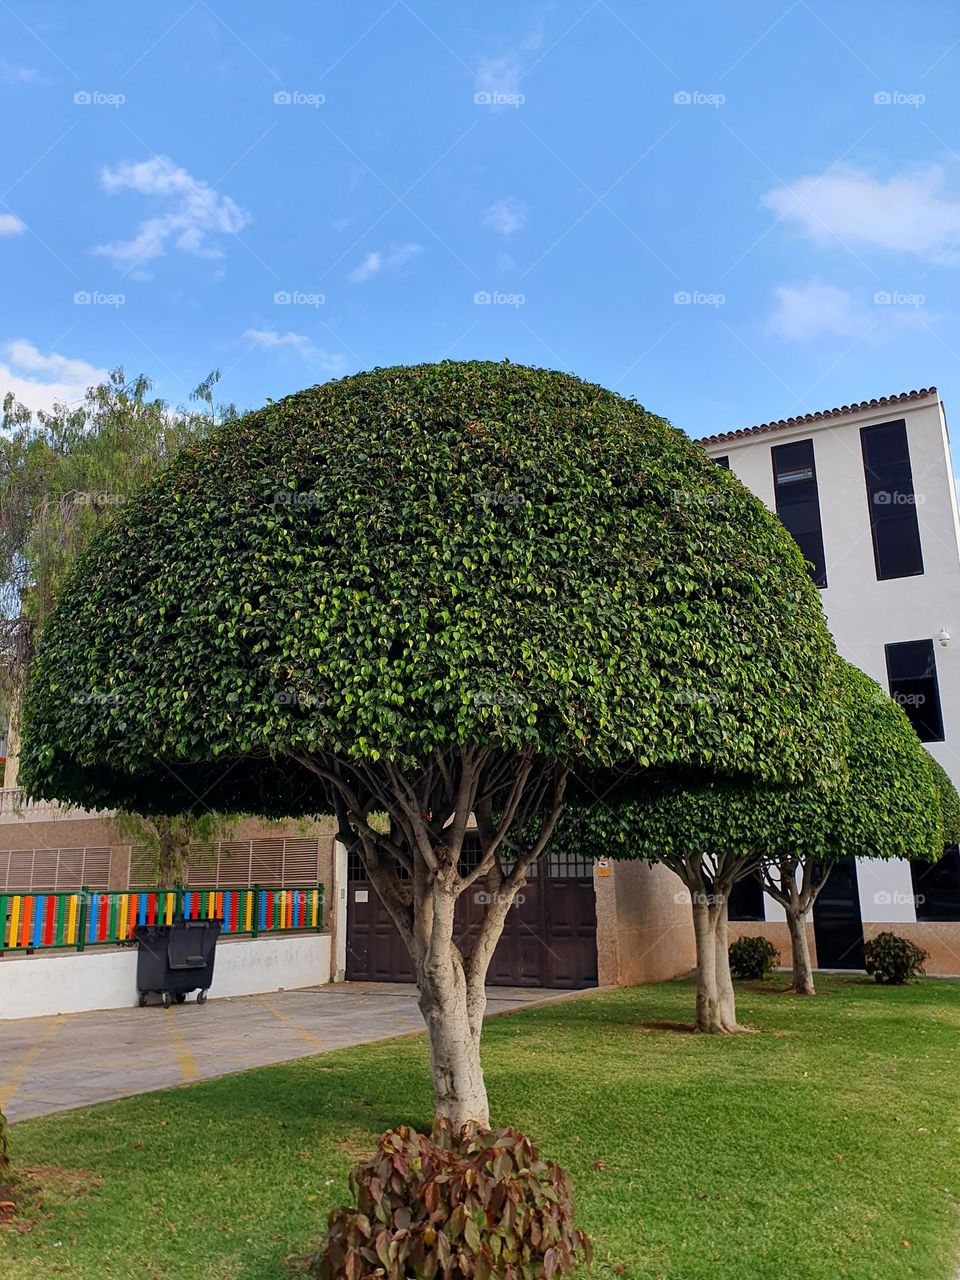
[[472, 1206], [878, 802], [169, 843], [893, 960], [4, 1147], [949, 802], [752, 958], [420, 558]]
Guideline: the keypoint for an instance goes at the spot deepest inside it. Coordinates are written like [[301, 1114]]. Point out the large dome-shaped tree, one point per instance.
[[434, 592]]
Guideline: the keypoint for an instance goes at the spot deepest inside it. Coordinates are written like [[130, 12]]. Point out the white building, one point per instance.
[[868, 492]]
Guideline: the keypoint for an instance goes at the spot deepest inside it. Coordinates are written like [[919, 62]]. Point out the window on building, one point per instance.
[[912, 678], [891, 500], [723, 462], [798, 504], [936, 886], [745, 901]]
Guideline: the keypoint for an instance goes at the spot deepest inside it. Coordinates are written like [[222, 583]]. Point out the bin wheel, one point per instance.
[[181, 996], [166, 999], [201, 997], [143, 1000]]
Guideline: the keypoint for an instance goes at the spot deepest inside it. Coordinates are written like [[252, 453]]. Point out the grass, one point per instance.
[[828, 1146]]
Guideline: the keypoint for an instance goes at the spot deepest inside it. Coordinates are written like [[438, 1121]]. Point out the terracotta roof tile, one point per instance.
[[819, 416]]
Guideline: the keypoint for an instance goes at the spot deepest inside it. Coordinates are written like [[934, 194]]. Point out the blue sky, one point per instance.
[[731, 213]]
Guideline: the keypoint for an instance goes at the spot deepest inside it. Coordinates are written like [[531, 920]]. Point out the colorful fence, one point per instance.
[[42, 921]]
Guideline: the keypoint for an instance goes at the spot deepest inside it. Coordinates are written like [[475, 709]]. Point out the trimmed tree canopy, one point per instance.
[[416, 559], [881, 802], [949, 802]]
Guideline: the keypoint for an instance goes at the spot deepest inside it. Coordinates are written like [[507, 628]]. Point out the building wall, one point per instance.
[[865, 614], [644, 927]]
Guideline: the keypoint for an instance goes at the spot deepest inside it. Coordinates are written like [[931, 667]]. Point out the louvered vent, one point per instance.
[[54, 870]]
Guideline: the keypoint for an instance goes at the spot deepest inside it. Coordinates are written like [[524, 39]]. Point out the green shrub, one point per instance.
[[892, 959], [477, 1205], [752, 957]]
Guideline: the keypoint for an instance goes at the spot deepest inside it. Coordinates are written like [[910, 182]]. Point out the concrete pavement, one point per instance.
[[73, 1060]]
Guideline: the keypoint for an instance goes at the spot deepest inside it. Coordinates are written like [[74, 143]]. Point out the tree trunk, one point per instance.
[[705, 916], [726, 996], [4, 1157], [800, 952], [461, 1095]]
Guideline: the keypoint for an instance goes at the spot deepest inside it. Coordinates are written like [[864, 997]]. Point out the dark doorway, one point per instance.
[[549, 939], [837, 925]]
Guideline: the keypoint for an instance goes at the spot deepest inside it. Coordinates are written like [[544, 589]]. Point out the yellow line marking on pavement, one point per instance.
[[302, 1032], [10, 1086], [186, 1062]]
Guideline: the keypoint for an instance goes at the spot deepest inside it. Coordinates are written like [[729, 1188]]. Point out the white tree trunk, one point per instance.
[[800, 952], [726, 996], [461, 1095], [708, 997]]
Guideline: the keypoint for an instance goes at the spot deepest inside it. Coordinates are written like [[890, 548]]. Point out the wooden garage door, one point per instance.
[[549, 939]]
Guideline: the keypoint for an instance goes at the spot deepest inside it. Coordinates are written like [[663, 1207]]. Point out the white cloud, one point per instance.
[[10, 74], [332, 362], [10, 225], [195, 212], [40, 379], [506, 216], [911, 212], [815, 310], [504, 73], [392, 259]]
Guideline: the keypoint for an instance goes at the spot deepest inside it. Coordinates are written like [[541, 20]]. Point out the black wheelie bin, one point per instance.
[[175, 959]]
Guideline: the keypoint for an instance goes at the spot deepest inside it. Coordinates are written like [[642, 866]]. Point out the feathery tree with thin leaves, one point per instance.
[[442, 594]]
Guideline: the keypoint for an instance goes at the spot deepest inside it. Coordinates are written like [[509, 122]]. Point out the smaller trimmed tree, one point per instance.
[[893, 804], [878, 801]]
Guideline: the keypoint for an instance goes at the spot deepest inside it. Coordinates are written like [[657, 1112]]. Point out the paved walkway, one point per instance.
[[72, 1060]]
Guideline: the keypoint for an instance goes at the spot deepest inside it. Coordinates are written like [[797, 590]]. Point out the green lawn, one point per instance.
[[826, 1147]]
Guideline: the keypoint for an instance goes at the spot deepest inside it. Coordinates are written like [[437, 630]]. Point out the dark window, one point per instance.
[[936, 886], [912, 676], [745, 901], [798, 506], [723, 462], [892, 502]]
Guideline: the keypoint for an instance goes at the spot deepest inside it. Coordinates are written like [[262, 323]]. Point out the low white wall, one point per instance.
[[73, 982]]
